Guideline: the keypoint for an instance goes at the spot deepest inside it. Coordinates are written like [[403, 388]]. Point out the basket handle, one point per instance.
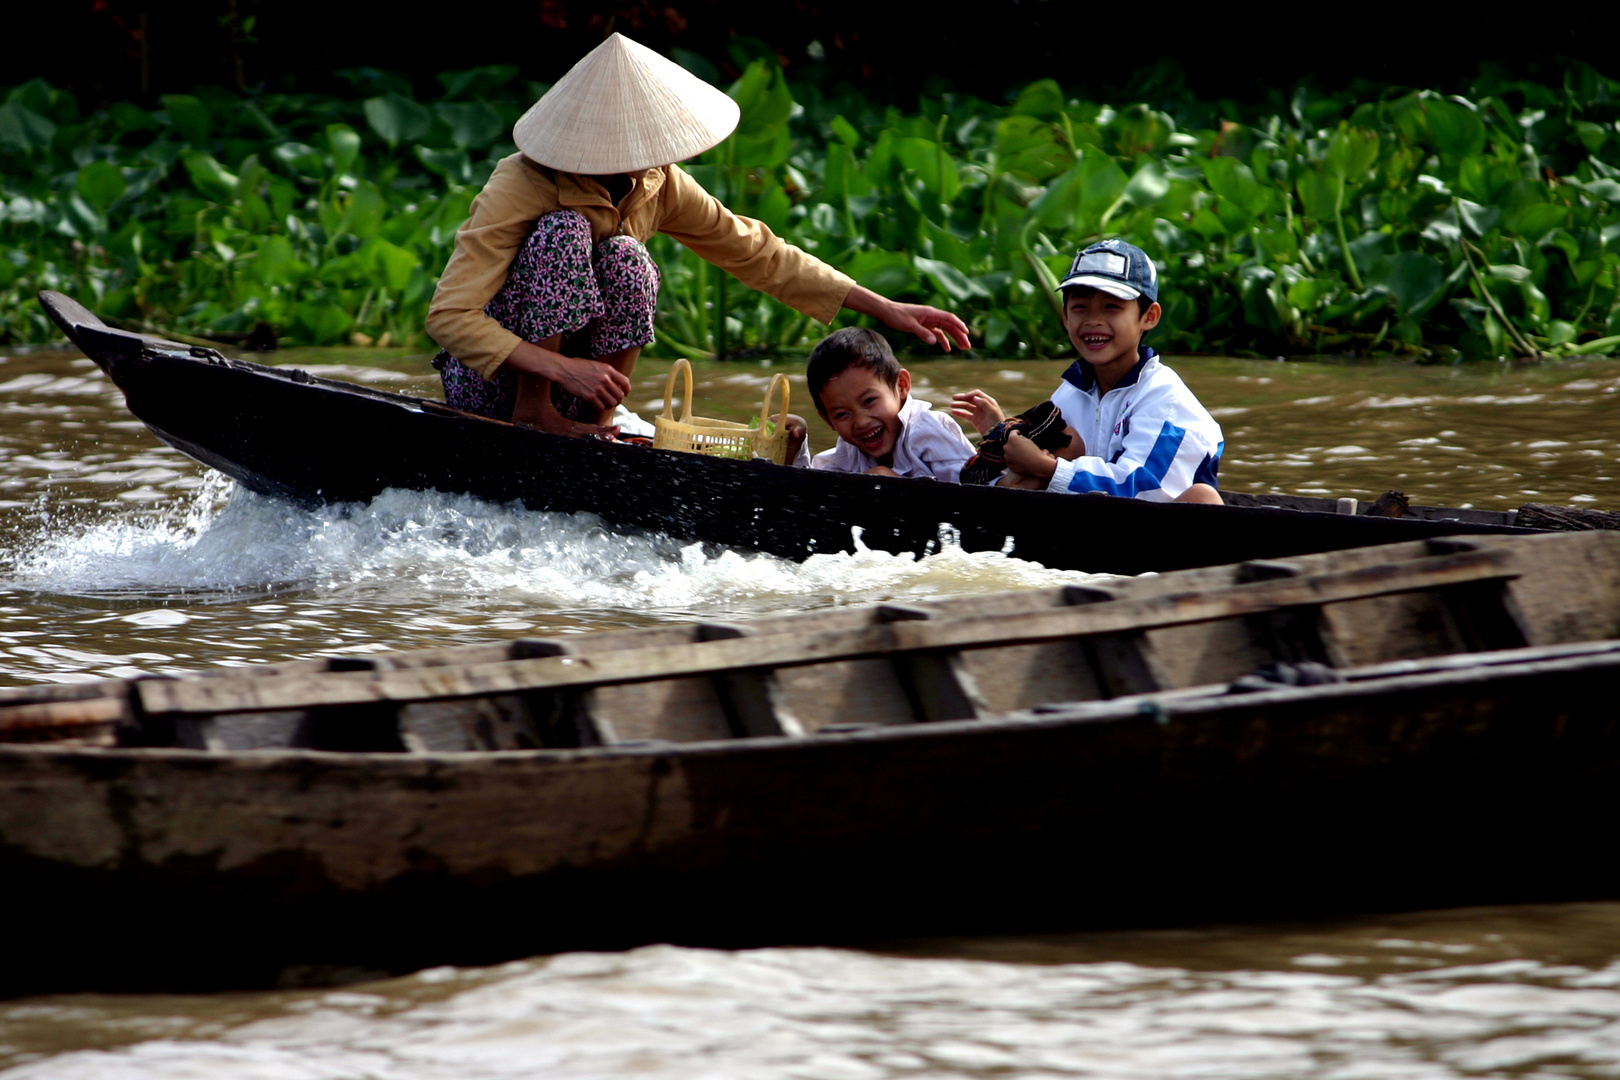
[[680, 365], [765, 406]]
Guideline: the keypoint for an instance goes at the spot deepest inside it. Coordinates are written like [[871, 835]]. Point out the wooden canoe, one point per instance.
[[1048, 760], [286, 433]]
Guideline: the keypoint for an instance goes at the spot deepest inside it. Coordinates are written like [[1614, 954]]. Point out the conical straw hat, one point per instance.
[[624, 108]]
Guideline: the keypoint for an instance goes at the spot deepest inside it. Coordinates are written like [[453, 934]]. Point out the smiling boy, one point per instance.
[[861, 390], [1142, 432]]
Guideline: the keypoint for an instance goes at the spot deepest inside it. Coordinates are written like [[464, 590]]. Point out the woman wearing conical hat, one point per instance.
[[549, 296]]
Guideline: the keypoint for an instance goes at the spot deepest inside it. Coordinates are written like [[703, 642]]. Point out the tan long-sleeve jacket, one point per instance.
[[665, 200]]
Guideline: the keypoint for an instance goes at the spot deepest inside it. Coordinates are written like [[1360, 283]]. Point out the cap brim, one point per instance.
[[1107, 285]]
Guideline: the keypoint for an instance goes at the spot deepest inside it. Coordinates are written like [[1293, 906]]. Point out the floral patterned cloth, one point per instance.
[[600, 297]]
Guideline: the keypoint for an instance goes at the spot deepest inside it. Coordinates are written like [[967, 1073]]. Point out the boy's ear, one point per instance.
[[902, 385], [1150, 317]]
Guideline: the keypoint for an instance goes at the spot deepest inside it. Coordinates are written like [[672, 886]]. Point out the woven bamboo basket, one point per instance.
[[720, 438]]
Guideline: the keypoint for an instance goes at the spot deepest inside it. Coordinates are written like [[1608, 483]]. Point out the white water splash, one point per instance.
[[437, 546]]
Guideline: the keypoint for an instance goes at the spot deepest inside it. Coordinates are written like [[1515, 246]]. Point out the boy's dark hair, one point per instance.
[[853, 346], [1142, 302]]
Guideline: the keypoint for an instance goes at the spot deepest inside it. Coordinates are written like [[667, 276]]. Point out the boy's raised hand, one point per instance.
[[977, 408]]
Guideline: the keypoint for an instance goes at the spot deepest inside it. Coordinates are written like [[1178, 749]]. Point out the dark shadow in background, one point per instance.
[[136, 49]]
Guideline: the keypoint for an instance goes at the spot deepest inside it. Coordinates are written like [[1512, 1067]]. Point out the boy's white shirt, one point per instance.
[[1147, 438], [930, 444]]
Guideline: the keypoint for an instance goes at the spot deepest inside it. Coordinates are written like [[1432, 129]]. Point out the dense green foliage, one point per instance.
[[1390, 220]]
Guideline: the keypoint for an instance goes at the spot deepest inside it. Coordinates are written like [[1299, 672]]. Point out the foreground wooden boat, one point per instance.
[[288, 434], [1048, 760]]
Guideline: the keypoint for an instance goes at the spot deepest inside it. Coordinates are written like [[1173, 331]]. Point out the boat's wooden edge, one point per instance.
[[1418, 512], [905, 664], [1161, 708]]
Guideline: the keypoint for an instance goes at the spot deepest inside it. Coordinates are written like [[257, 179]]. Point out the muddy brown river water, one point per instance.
[[119, 556]]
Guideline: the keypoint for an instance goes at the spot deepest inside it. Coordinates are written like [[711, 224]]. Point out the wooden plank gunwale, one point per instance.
[[221, 695]]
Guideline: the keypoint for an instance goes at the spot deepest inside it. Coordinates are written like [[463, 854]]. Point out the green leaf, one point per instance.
[[1606, 189], [1319, 193], [1231, 179], [950, 281], [275, 262], [300, 159], [322, 322], [478, 82], [932, 164], [883, 272], [129, 117], [102, 184], [1102, 183], [1352, 152], [452, 164], [209, 176], [1478, 220], [23, 129], [1056, 207], [473, 125], [1042, 98], [1411, 277], [79, 218], [762, 95], [364, 212], [344, 142], [388, 264], [845, 132], [189, 117], [397, 119], [1147, 185], [772, 207], [1457, 132], [1537, 219]]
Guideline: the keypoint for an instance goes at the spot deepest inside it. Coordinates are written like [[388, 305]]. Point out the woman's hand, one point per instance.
[[591, 381], [1025, 457], [934, 326], [977, 408]]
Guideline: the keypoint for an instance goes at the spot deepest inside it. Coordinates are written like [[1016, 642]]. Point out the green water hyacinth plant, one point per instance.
[[1383, 220]]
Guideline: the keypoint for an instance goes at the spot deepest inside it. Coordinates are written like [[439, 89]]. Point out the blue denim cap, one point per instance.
[[1117, 268]]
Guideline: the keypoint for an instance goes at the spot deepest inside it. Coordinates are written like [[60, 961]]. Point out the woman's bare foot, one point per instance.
[[534, 408]]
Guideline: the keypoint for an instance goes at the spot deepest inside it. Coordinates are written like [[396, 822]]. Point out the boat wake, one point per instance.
[[226, 544]]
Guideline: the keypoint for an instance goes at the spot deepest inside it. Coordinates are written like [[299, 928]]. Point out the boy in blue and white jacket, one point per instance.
[[1135, 428]]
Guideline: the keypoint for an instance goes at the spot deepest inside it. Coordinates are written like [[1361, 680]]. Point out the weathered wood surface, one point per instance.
[[883, 665], [1490, 783], [1543, 516], [1084, 767], [354, 442], [775, 651]]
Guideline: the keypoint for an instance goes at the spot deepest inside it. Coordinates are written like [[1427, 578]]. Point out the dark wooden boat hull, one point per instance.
[[288, 434], [174, 869], [1036, 761]]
